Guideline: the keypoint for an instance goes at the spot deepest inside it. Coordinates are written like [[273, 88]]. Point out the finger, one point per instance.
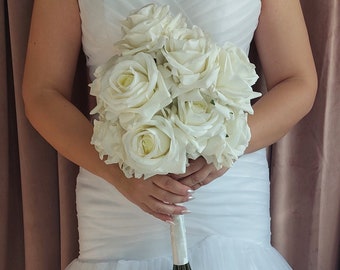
[[211, 177], [171, 198], [197, 177], [198, 185], [165, 209], [175, 176], [171, 185], [194, 166], [163, 217]]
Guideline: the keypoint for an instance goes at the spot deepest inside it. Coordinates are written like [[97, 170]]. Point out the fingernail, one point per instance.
[[191, 198], [190, 191], [170, 222], [185, 211]]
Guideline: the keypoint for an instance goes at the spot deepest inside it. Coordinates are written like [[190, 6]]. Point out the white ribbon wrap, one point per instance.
[[179, 241]]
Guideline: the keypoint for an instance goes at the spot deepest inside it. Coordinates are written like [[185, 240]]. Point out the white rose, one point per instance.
[[214, 152], [238, 134], [130, 88], [197, 118], [153, 147], [147, 29], [106, 138], [236, 76], [191, 60], [225, 148]]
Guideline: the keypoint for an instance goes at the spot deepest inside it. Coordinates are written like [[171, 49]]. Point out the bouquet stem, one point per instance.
[[179, 244]]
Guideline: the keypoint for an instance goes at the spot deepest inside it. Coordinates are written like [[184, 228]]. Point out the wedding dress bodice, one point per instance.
[[224, 20]]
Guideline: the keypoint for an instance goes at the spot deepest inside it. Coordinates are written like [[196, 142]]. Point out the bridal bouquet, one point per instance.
[[171, 95]]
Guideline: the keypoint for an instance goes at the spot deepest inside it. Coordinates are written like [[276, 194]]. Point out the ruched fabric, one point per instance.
[[229, 227]]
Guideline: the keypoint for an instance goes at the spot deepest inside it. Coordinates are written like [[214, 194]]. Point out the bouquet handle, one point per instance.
[[179, 241]]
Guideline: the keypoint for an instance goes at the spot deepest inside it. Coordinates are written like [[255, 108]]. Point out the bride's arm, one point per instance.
[[285, 54], [52, 54]]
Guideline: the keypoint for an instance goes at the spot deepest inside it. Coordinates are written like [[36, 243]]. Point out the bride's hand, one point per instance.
[[199, 173], [158, 195]]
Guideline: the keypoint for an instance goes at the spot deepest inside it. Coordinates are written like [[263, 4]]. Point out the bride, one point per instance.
[[124, 223]]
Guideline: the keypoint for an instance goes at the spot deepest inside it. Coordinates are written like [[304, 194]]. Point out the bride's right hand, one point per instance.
[[158, 195]]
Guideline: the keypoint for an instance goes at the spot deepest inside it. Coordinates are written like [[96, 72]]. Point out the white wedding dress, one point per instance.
[[229, 227]]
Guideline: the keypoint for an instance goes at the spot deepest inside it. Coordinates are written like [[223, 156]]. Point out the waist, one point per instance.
[[235, 206]]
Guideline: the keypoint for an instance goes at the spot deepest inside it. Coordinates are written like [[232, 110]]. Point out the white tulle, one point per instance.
[[215, 252], [229, 227], [212, 253]]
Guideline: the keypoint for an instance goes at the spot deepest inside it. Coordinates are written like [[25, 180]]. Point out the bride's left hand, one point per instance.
[[199, 173]]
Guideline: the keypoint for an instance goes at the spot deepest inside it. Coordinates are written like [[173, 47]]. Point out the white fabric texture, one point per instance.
[[229, 227]]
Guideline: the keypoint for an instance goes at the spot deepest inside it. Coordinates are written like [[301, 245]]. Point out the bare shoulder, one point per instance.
[[53, 45], [282, 41]]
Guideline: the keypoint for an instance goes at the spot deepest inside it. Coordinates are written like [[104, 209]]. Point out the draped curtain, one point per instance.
[[38, 226]]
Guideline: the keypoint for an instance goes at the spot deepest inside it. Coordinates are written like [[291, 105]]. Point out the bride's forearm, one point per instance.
[[279, 110], [67, 130], [282, 43]]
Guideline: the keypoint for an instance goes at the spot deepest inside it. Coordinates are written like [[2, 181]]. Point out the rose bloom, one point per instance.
[[197, 118], [235, 79], [191, 60], [225, 148], [129, 88], [148, 28], [238, 134], [106, 138], [153, 147]]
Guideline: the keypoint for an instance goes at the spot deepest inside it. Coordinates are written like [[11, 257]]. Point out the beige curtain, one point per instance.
[[38, 227], [306, 163]]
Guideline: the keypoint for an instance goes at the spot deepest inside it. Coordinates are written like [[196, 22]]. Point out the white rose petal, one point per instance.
[[192, 60], [197, 118], [235, 79], [225, 148], [130, 88], [238, 134], [107, 140], [148, 28], [153, 147], [214, 152]]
